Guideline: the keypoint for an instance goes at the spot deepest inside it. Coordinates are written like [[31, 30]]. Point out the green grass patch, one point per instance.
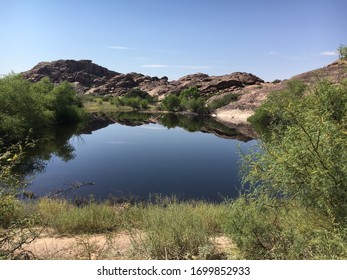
[[65, 217], [169, 229]]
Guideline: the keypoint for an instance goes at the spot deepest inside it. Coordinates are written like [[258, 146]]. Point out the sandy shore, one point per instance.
[[234, 116]]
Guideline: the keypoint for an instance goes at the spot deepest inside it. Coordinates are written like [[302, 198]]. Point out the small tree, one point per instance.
[[171, 102], [342, 51]]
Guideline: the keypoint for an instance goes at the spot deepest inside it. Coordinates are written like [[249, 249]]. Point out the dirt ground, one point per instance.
[[99, 247]]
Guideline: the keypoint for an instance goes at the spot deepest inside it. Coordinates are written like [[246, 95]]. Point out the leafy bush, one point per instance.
[[134, 102], [297, 206], [273, 111], [342, 50], [63, 102], [266, 228], [25, 106], [188, 100], [190, 93], [137, 93], [15, 227], [171, 103], [222, 101]]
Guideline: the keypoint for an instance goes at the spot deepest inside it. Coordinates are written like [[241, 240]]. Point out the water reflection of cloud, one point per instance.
[[153, 127], [116, 142]]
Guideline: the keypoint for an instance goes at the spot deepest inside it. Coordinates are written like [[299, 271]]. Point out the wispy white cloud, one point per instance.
[[177, 66], [120, 48], [272, 53], [328, 53]]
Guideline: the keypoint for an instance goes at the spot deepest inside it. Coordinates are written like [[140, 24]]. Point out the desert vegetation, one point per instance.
[[295, 207], [188, 100], [26, 106], [292, 204]]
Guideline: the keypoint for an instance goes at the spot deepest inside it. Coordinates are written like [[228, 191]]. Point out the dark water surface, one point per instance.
[[136, 161]]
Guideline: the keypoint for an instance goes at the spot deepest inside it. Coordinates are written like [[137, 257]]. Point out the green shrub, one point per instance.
[[15, 226], [171, 103], [264, 228], [10, 210], [273, 111], [137, 93], [342, 50], [188, 100], [222, 101], [298, 191], [28, 106], [190, 93], [173, 233]]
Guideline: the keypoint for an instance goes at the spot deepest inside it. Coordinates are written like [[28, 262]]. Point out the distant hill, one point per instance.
[[251, 91], [92, 78], [252, 96]]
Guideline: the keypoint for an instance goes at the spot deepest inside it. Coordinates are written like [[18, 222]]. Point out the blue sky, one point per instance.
[[271, 39]]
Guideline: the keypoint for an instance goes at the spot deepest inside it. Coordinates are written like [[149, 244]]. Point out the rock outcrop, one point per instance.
[[89, 77], [84, 72], [251, 97]]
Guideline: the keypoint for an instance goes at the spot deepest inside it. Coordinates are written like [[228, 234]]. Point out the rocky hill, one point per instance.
[[252, 96], [89, 77], [85, 72]]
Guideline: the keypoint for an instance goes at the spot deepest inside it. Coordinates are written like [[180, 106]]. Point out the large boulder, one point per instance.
[[85, 72]]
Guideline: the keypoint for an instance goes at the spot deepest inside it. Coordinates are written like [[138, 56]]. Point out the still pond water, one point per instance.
[[123, 161]]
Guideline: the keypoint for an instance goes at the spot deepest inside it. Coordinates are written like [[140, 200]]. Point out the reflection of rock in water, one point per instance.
[[191, 123], [96, 122]]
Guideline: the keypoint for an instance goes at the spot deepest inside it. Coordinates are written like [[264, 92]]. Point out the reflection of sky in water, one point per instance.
[[137, 161]]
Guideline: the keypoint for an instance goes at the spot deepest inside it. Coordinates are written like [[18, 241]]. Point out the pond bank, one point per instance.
[[167, 229]]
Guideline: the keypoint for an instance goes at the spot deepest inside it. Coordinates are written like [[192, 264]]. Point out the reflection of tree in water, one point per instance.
[[52, 142], [193, 123], [190, 123]]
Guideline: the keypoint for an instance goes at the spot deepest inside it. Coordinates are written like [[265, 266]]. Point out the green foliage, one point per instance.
[[63, 102], [134, 98], [167, 229], [136, 103], [171, 103], [222, 101], [173, 234], [136, 92], [180, 230], [10, 185], [273, 111], [342, 50], [266, 228], [298, 180], [190, 93], [25, 106], [65, 217], [15, 226], [188, 100]]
